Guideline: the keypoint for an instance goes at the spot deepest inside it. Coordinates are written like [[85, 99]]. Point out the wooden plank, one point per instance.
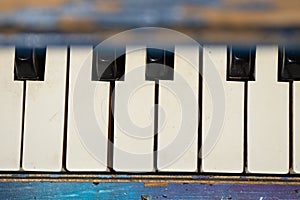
[[266, 21], [136, 190], [85, 15], [150, 179]]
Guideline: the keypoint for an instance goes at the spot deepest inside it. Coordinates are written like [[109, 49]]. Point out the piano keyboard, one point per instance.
[[216, 109]]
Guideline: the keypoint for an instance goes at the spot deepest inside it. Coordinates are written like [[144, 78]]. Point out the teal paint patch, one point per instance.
[[105, 176], [122, 176], [200, 177], [19, 175], [54, 175]]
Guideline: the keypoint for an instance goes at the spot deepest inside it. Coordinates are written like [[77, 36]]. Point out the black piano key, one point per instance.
[[240, 63], [120, 63], [30, 63], [104, 64], [169, 66], [289, 63], [155, 62], [160, 64], [108, 64]]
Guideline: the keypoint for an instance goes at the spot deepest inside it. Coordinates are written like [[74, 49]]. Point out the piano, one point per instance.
[[159, 106], [81, 108]]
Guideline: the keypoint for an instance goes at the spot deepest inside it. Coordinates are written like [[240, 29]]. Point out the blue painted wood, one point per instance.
[[41, 16], [274, 19], [134, 190]]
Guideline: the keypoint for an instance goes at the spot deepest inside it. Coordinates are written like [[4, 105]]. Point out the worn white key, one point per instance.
[[44, 115], [133, 116], [268, 116], [296, 128], [87, 130], [11, 101], [222, 151], [178, 114]]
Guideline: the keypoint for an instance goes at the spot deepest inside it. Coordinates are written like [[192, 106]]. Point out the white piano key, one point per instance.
[[11, 109], [223, 153], [44, 115], [296, 128], [87, 130], [268, 116], [178, 114], [133, 116]]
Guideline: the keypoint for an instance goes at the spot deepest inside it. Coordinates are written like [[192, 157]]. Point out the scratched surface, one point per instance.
[[135, 190], [51, 14], [204, 20]]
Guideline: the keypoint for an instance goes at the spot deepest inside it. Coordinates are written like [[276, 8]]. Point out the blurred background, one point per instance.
[[34, 22]]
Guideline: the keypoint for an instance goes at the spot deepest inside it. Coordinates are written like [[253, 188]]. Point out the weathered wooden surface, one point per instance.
[[154, 179], [88, 186], [135, 190], [89, 15], [207, 20]]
